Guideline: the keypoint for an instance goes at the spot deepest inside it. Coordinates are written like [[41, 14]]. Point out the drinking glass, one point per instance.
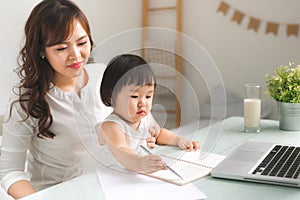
[[252, 108]]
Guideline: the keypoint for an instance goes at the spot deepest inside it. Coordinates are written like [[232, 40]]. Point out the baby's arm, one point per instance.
[[118, 146], [167, 137]]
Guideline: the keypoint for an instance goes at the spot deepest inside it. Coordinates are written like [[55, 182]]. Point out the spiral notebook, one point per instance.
[[190, 166]]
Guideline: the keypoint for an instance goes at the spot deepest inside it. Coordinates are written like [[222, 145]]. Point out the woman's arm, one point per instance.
[[20, 189], [17, 136], [118, 146]]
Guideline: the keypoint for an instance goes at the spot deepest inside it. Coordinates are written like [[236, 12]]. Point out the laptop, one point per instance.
[[262, 162]]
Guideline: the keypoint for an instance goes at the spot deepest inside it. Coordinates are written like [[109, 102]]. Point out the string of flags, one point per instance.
[[255, 23]]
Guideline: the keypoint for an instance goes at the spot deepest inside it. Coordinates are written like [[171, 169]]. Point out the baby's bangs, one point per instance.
[[142, 75]]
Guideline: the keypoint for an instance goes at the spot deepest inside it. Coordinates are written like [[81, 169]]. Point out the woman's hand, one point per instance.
[[151, 163], [188, 144]]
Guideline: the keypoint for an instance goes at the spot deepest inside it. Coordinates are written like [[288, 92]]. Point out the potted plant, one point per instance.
[[284, 87]]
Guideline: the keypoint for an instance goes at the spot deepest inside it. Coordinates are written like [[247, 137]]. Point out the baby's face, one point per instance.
[[134, 102]]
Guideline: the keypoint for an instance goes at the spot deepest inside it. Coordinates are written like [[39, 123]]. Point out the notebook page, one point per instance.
[[189, 166]]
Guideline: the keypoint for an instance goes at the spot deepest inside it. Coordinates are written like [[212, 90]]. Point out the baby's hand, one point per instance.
[[151, 163], [188, 144], [153, 132], [151, 142]]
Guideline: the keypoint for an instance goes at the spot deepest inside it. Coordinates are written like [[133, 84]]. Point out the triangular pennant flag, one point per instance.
[[254, 24], [237, 17], [292, 29], [272, 28], [223, 7]]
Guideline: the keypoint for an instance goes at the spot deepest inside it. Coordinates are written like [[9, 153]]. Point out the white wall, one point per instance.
[[106, 18], [242, 55], [12, 17]]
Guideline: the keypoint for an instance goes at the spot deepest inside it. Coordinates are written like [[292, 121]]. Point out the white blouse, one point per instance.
[[75, 148]]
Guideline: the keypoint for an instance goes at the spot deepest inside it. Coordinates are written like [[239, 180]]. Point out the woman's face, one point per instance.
[[69, 57]]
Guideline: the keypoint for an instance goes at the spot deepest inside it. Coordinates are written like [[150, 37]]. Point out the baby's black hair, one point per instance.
[[125, 69]]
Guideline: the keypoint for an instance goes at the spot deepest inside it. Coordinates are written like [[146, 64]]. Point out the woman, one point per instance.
[[52, 115]]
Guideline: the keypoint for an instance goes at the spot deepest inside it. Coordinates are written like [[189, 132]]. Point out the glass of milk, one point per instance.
[[252, 108]]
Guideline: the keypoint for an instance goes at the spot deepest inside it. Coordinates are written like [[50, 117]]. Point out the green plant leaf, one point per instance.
[[284, 85]]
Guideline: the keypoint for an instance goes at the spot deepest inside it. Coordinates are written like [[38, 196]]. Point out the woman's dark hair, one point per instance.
[[124, 70], [49, 23]]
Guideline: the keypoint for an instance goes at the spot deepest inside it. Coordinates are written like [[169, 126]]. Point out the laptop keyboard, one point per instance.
[[282, 161]]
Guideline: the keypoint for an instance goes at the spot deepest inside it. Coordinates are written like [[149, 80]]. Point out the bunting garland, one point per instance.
[[255, 23]]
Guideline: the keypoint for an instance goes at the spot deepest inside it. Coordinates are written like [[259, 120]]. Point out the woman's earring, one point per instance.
[[43, 57]]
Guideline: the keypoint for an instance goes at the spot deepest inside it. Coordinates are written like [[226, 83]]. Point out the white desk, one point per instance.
[[88, 187]]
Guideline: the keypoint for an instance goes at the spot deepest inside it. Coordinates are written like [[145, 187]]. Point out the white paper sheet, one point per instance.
[[129, 185]]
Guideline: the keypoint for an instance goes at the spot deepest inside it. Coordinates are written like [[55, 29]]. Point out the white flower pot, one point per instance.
[[289, 116]]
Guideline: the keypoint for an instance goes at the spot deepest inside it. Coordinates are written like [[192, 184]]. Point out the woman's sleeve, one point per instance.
[[95, 72], [16, 139]]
